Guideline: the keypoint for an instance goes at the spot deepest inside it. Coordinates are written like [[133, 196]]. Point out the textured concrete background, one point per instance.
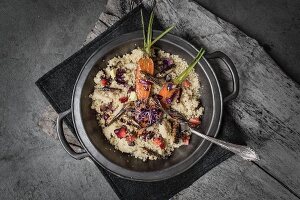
[[37, 35], [275, 24]]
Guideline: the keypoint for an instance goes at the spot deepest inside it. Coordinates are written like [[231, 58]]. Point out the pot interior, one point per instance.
[[209, 125]]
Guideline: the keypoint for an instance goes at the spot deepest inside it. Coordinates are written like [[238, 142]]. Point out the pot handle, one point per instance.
[[62, 138], [233, 71]]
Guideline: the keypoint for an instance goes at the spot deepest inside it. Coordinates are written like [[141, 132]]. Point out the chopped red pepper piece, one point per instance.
[[123, 99], [186, 84], [159, 142], [121, 132], [195, 121], [104, 82]]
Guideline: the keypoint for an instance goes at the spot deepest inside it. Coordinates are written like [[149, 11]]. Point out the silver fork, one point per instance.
[[245, 152]]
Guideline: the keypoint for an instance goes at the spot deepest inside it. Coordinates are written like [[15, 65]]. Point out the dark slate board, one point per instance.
[[57, 86]]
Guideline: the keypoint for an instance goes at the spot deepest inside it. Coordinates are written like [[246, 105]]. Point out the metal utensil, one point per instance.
[[245, 152]]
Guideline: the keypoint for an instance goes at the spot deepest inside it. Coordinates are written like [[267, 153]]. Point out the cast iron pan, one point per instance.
[[97, 147]]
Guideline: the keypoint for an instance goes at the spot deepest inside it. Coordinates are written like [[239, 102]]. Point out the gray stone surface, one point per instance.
[[35, 37], [275, 24], [235, 179]]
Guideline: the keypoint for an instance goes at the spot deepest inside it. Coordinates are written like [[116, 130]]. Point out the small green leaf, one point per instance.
[[149, 31], [143, 26], [162, 34], [148, 40]]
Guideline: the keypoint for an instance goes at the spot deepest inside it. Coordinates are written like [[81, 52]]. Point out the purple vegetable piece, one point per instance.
[[105, 116], [171, 98], [168, 63], [148, 115], [169, 86], [120, 76], [145, 82]]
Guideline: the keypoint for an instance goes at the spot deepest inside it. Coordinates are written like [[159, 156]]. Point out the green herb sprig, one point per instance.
[[148, 43], [181, 77]]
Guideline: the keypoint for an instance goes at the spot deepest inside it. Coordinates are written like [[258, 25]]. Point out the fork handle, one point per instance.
[[245, 152]]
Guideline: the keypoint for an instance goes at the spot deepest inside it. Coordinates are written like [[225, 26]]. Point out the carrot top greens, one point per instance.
[[179, 79], [148, 36]]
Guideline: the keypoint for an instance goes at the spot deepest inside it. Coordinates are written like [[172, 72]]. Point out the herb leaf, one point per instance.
[[143, 26], [179, 79], [148, 40], [162, 34], [149, 32]]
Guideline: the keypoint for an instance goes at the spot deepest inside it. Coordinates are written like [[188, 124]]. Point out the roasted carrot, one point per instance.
[[167, 92], [145, 64], [169, 89]]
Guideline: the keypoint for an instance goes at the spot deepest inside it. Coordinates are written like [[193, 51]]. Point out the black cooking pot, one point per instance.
[[97, 147]]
